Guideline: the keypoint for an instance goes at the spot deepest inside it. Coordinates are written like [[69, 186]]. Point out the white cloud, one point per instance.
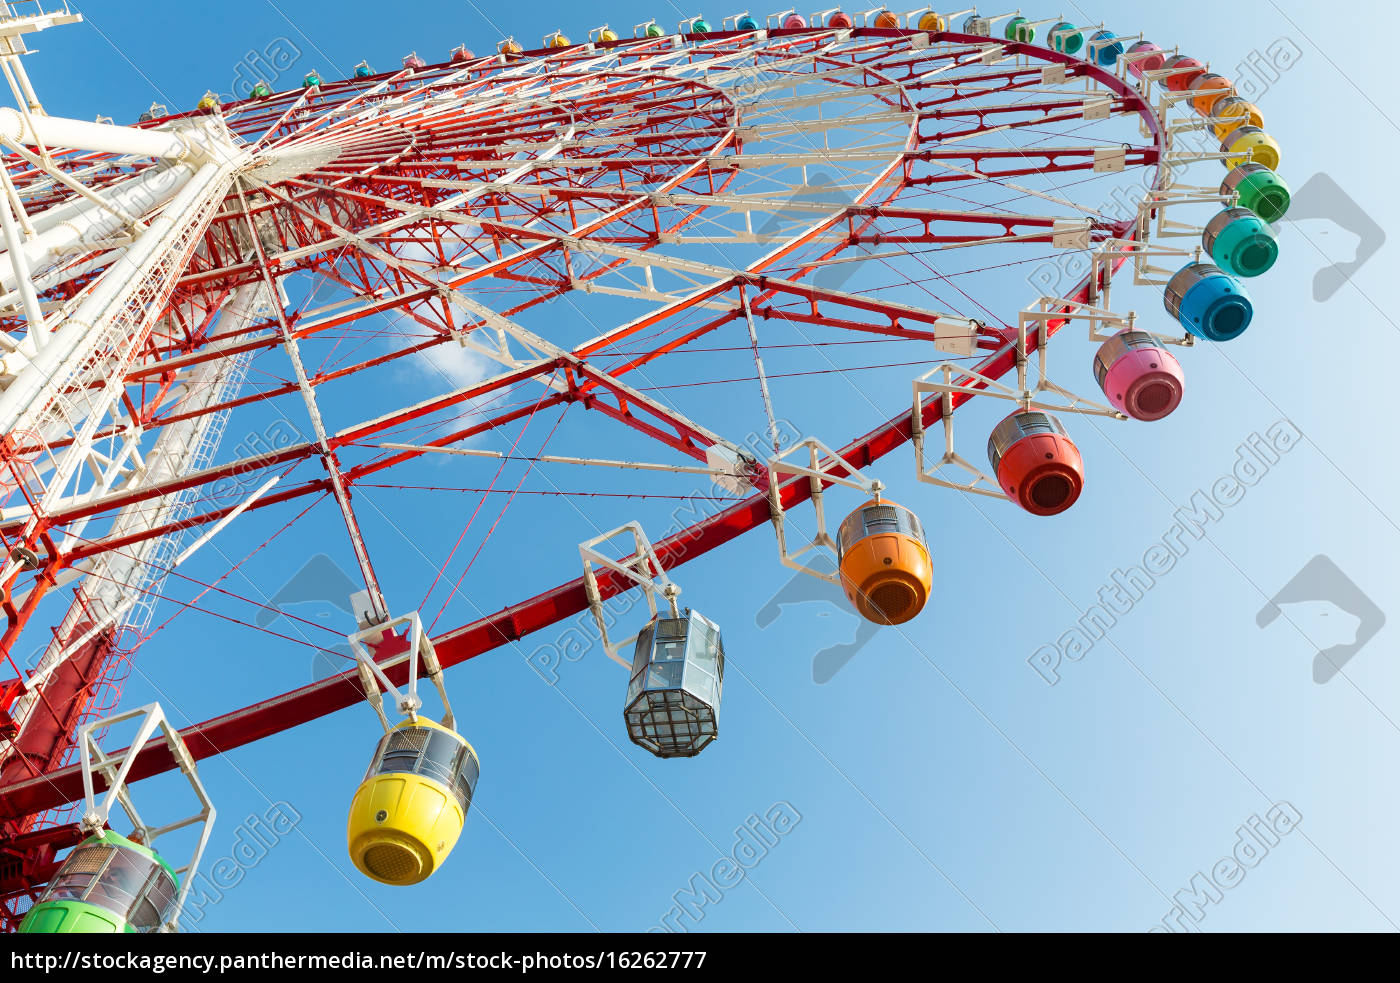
[[451, 363]]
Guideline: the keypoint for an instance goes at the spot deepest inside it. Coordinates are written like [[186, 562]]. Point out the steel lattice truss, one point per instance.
[[482, 210]]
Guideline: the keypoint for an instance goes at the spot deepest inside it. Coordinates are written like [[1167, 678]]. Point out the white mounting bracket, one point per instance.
[[641, 566], [1167, 99], [1097, 107], [1130, 58], [1071, 233], [992, 54], [988, 23], [1143, 271], [1173, 159], [1177, 125], [1049, 309], [956, 335], [114, 770], [372, 675], [940, 381], [1036, 25], [1162, 74], [1103, 323], [824, 467], [1161, 199], [777, 18], [922, 387], [1110, 160]]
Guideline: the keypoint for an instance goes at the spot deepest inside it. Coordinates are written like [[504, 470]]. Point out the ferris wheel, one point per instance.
[[532, 298]]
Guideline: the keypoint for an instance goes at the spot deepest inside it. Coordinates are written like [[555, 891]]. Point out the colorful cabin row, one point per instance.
[[1183, 70], [1259, 189], [1139, 376], [1240, 242], [1250, 143], [884, 562], [407, 814], [1020, 29], [1145, 57], [1062, 36], [1208, 302], [1066, 38], [311, 80], [1208, 89], [108, 884], [1104, 48], [1036, 463], [1237, 122], [838, 20], [1232, 112], [673, 694]]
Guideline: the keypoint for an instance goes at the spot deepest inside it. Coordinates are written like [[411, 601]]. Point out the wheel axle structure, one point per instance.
[[713, 255]]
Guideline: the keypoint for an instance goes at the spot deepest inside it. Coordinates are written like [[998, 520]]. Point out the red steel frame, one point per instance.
[[686, 130]]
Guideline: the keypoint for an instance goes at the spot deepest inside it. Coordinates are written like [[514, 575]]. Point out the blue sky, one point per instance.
[[939, 781]]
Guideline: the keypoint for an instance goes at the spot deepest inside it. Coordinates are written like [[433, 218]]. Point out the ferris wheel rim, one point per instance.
[[492, 631]]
